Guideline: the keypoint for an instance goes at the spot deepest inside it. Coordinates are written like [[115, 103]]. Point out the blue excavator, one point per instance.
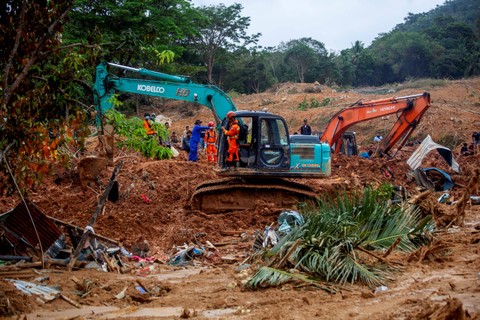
[[267, 156]]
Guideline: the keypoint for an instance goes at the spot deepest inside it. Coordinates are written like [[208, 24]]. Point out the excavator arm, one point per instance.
[[164, 86], [408, 110]]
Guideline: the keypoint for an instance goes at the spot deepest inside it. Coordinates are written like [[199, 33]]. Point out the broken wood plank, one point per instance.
[[38, 264], [73, 303], [100, 237], [111, 265], [76, 281], [420, 197], [378, 257], [99, 209]]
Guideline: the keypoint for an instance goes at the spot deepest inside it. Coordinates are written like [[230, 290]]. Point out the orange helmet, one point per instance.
[[211, 124], [230, 114]]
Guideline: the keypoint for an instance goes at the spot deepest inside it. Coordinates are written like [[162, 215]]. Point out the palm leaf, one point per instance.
[[327, 243], [267, 276]]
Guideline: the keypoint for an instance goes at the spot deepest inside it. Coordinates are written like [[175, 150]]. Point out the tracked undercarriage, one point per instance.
[[236, 193]]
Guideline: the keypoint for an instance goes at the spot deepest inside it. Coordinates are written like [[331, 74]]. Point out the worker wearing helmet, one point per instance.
[[147, 125], [210, 142], [232, 136]]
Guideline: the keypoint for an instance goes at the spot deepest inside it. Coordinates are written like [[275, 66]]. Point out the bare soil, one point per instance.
[[440, 281]]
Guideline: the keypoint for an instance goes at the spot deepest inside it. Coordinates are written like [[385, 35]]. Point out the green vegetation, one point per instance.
[[131, 134], [314, 103], [339, 238], [303, 105]]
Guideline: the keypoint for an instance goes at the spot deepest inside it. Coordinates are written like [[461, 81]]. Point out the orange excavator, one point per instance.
[[408, 110]]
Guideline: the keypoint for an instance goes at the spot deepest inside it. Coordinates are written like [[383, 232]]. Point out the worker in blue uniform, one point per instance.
[[195, 140]]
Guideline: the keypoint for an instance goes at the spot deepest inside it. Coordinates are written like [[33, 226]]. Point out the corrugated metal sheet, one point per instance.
[[425, 147], [19, 236]]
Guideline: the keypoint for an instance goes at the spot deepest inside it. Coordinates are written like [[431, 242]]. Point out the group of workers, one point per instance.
[[206, 137], [473, 148], [203, 136], [210, 141]]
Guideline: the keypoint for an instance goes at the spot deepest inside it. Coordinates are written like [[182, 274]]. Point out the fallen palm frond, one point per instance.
[[331, 245], [273, 276]]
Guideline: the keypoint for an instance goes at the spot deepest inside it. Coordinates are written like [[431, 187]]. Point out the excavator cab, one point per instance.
[[348, 143], [265, 147], [267, 151]]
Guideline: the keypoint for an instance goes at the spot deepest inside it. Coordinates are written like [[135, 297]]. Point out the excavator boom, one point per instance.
[[408, 110], [167, 86]]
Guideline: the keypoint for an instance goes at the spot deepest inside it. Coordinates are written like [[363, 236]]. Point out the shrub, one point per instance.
[[133, 135], [303, 105]]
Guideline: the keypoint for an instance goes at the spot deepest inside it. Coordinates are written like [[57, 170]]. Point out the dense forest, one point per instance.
[[211, 44], [50, 49]]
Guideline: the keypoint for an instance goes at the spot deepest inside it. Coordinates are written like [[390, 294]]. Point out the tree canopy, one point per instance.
[[222, 29]]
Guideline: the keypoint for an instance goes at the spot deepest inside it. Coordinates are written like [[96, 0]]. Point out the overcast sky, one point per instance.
[[336, 23]]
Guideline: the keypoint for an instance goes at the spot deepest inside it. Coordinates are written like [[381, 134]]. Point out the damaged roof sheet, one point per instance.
[[19, 232]]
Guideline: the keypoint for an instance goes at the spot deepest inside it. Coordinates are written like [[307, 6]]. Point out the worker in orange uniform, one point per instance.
[[210, 143], [147, 125], [232, 136]]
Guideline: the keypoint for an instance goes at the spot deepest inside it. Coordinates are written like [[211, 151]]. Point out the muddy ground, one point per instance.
[[441, 281]]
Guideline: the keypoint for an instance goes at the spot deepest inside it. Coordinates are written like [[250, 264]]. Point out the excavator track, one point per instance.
[[230, 194]]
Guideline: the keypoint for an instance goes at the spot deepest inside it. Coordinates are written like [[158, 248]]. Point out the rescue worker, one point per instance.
[[366, 155], [232, 136], [195, 140], [147, 125], [210, 143]]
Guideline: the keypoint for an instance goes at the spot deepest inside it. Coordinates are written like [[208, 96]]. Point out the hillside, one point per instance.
[[455, 108], [439, 281]]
